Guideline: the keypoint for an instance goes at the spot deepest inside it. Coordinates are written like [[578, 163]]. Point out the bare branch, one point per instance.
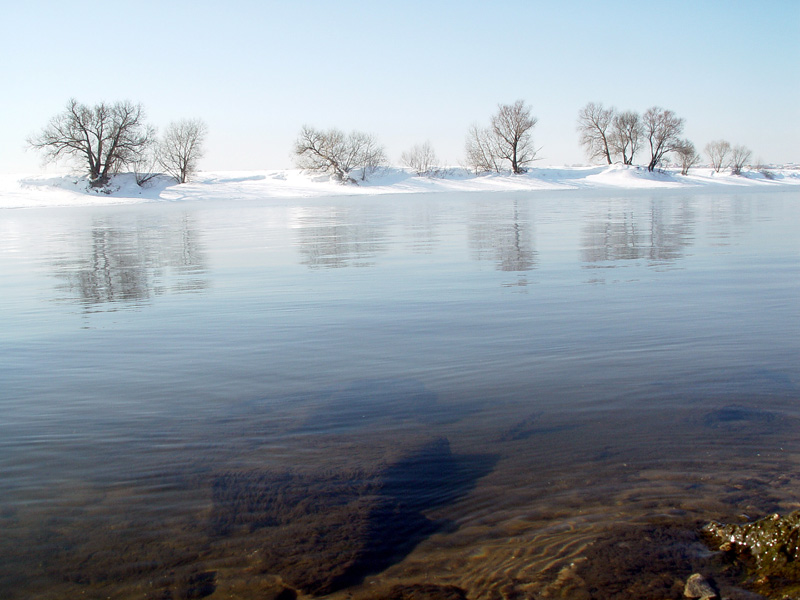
[[422, 159], [482, 154], [181, 148], [626, 135], [104, 137], [511, 126], [687, 155], [718, 152], [595, 127], [739, 157], [662, 129], [338, 155]]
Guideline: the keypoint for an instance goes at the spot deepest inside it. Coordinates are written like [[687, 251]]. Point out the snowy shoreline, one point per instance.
[[70, 190]]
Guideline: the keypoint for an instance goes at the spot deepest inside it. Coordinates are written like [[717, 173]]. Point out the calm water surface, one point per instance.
[[522, 395]]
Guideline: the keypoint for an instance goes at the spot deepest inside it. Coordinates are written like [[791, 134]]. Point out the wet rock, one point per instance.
[[697, 586], [769, 546]]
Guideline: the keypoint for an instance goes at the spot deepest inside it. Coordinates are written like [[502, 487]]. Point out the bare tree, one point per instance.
[[322, 151], [181, 148], [104, 137], [594, 125], [421, 159], [511, 126], [481, 151], [626, 135], [764, 169], [718, 152], [662, 128], [146, 166], [338, 154], [739, 157], [687, 156], [370, 155]]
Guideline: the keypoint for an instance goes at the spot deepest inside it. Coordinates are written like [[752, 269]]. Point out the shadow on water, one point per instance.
[[324, 532]]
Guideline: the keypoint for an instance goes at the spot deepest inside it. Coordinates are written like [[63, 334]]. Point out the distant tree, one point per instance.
[[626, 135], [482, 153], [508, 138], [181, 147], [687, 156], [421, 159], [595, 127], [104, 137], [511, 126], [338, 154], [740, 155], [662, 129], [718, 152], [764, 169]]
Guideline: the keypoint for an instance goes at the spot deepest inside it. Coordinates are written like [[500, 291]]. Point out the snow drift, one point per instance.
[[66, 190]]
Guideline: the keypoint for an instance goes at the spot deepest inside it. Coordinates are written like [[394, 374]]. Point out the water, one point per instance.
[[516, 394]]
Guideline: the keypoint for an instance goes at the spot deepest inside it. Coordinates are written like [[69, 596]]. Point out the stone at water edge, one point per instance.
[[774, 543], [698, 587]]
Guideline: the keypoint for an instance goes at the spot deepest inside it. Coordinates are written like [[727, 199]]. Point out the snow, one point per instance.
[[65, 190]]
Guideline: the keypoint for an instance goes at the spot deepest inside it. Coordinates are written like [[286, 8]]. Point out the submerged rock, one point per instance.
[[697, 586], [323, 531], [770, 546]]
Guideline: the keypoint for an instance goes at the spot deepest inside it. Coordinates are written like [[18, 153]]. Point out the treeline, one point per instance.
[[108, 137], [507, 144], [613, 136]]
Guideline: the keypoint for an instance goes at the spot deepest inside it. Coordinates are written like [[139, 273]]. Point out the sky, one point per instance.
[[407, 72]]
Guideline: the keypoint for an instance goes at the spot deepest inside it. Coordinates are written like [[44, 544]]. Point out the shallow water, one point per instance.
[[516, 394]]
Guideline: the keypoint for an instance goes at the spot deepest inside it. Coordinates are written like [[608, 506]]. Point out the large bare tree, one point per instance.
[[718, 152], [626, 135], [181, 147], [511, 126], [104, 137], [338, 154], [594, 125], [662, 129]]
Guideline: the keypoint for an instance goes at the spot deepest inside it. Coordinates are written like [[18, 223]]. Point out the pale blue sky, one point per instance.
[[256, 71]]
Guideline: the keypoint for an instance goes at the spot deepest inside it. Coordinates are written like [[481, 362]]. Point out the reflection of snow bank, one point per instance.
[[19, 192]]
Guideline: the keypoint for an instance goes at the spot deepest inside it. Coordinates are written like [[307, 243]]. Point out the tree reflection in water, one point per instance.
[[335, 237], [658, 234], [129, 264], [503, 233]]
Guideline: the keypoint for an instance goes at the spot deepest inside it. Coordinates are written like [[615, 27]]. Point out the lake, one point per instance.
[[516, 394]]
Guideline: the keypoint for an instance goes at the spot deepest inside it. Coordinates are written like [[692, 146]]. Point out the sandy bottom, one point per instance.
[[538, 507]]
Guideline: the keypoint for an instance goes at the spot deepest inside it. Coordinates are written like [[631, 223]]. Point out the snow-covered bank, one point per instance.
[[40, 191]]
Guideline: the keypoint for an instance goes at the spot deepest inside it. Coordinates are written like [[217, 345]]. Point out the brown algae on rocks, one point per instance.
[[770, 547]]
